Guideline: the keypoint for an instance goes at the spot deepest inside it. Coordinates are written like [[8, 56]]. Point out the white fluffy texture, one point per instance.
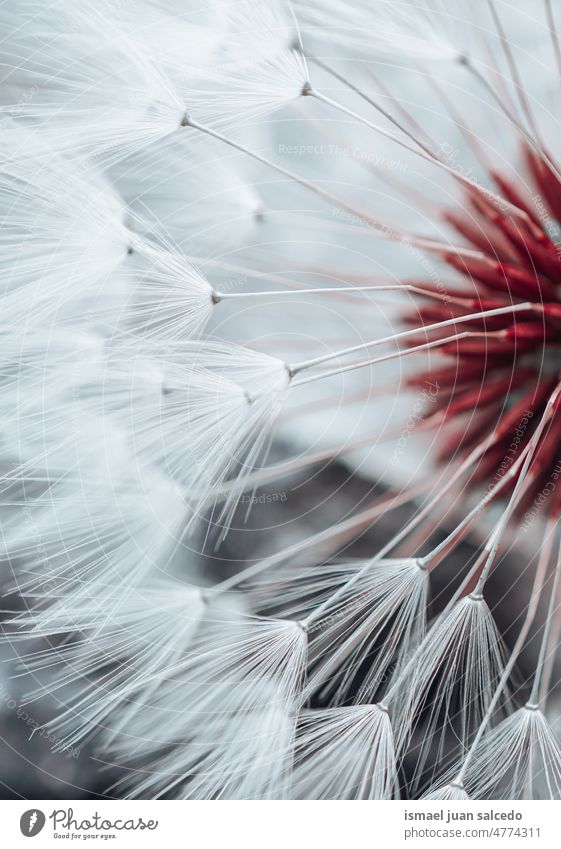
[[232, 728], [101, 532], [79, 510], [451, 677], [69, 253], [106, 80], [62, 234], [196, 193], [200, 411], [110, 454], [241, 755], [77, 73], [345, 753], [36, 367], [128, 641], [519, 759], [184, 36], [166, 297], [412, 29], [377, 611], [448, 793]]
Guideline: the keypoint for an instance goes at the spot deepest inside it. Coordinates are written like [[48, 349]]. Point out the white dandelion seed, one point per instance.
[[94, 89], [519, 759], [451, 677], [448, 793], [99, 91], [532, 767], [239, 680], [200, 411], [357, 615], [165, 297], [243, 754], [121, 653], [113, 444], [345, 753], [260, 68]]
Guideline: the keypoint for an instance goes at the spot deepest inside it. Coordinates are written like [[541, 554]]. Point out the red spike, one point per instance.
[[506, 188], [489, 391], [480, 236]]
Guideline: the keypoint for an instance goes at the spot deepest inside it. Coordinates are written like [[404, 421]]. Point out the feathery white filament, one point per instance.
[[345, 753], [94, 88], [62, 233], [452, 676], [519, 759], [380, 615], [407, 28]]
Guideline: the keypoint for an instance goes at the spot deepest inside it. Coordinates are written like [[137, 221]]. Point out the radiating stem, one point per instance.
[[384, 358], [385, 230], [531, 448], [423, 563], [553, 33], [536, 147], [291, 175], [513, 68], [329, 533], [289, 467], [488, 497], [424, 153], [371, 102], [406, 334]]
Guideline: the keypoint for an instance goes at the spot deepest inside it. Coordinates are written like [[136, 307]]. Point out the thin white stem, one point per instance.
[[422, 562], [289, 467], [552, 649], [426, 148], [536, 147], [488, 497], [515, 76], [499, 530], [425, 346], [291, 175], [550, 616], [553, 33], [326, 290], [535, 595], [336, 530], [353, 522], [406, 334], [383, 230], [351, 287], [371, 102], [424, 153]]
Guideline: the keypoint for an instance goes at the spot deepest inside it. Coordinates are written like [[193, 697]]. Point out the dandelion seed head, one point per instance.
[[135, 135]]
